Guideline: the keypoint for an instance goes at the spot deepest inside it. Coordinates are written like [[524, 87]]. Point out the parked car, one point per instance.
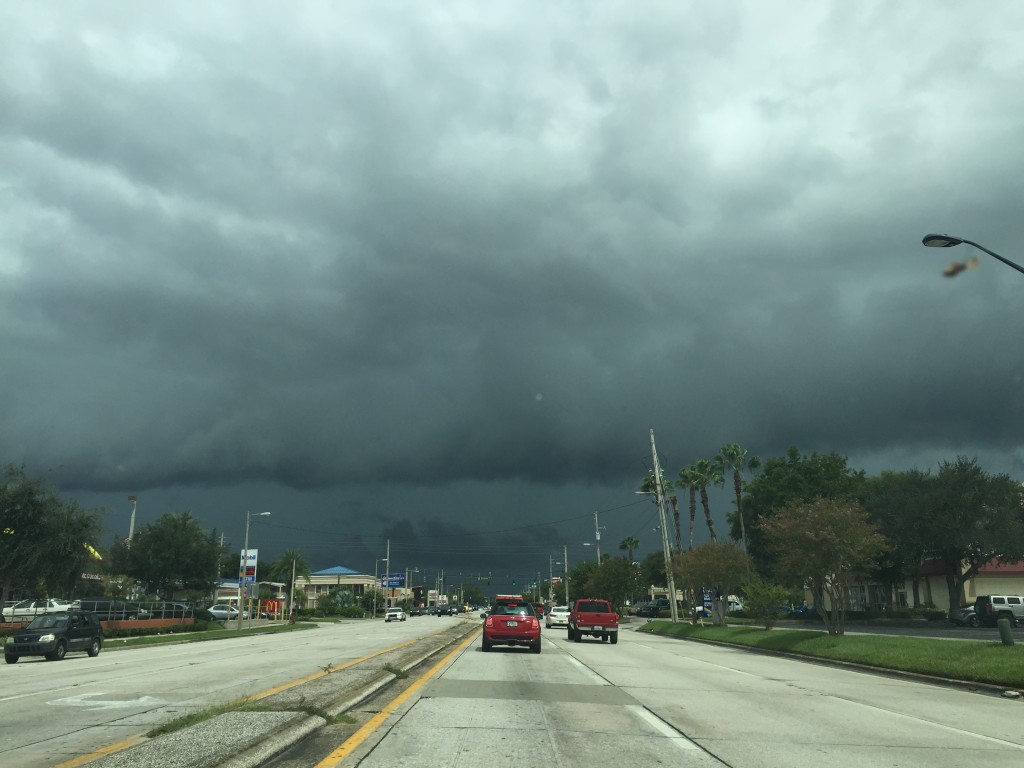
[[171, 611], [394, 614], [52, 635], [27, 609], [558, 616], [511, 622], [111, 609], [223, 612], [991, 608], [966, 616]]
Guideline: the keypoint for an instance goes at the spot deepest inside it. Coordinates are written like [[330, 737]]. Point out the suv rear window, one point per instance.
[[593, 606]]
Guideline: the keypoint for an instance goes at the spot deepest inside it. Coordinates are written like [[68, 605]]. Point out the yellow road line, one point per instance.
[[371, 725], [101, 752], [119, 746]]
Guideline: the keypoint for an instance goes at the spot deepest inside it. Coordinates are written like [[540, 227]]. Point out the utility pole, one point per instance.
[[565, 572], [387, 573], [131, 523], [597, 536], [660, 490]]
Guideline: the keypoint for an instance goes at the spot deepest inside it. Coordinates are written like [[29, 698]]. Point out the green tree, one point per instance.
[[899, 502], [973, 518], [613, 580], [788, 478], [820, 544], [704, 473], [765, 602], [45, 543], [652, 571], [688, 479], [170, 554], [734, 459], [718, 567], [649, 486], [629, 544]]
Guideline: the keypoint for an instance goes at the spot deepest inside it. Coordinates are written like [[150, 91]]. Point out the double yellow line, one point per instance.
[[352, 742]]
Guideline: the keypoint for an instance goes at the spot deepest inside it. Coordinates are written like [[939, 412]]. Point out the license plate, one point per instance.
[[511, 623]]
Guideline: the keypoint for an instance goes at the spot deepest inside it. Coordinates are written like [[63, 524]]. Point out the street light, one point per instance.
[[551, 577], [948, 241], [243, 596]]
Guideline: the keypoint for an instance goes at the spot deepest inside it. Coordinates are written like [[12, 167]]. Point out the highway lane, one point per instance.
[[652, 700], [52, 712]]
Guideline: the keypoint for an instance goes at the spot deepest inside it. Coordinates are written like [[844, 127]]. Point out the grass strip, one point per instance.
[[967, 660], [195, 637]]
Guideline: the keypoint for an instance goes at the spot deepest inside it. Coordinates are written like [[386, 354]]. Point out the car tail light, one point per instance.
[[489, 623]]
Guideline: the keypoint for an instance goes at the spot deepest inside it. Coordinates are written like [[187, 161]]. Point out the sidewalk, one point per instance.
[[243, 739]]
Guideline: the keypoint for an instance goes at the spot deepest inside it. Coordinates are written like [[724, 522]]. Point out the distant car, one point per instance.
[[558, 616], [394, 614], [28, 609], [52, 635], [511, 622], [966, 616], [447, 610], [110, 608], [416, 611], [223, 612]]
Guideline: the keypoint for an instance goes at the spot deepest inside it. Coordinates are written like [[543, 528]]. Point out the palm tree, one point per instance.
[[705, 473], [629, 544], [687, 479], [733, 457], [648, 486], [675, 519], [291, 561]]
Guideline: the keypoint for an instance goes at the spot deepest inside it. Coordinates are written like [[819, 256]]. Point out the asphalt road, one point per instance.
[[55, 712], [653, 700]]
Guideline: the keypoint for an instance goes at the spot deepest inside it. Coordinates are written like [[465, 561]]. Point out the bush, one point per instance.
[[352, 612]]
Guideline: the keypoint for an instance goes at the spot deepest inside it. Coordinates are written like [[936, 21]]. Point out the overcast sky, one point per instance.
[[431, 272]]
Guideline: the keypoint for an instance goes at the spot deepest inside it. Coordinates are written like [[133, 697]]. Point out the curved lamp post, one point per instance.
[[948, 241]]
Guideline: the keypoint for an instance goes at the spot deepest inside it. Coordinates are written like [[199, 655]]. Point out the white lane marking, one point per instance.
[[661, 726], [86, 701], [596, 678]]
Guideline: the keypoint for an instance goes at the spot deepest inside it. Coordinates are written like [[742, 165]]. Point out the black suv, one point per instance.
[[54, 634]]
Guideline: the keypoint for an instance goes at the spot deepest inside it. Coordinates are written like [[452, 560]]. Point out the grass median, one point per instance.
[[972, 661]]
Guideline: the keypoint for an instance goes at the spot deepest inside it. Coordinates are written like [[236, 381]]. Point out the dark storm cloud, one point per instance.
[[342, 246]]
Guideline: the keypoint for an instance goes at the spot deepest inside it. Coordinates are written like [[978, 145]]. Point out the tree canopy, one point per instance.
[[45, 543], [820, 544], [789, 478], [169, 555]]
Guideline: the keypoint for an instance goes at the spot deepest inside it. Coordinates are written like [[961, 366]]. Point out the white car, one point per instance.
[[31, 608], [558, 616], [394, 614]]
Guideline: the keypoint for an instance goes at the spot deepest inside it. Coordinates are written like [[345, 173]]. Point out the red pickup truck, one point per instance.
[[593, 617]]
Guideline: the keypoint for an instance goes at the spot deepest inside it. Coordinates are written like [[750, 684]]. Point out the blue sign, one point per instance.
[[392, 580]]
